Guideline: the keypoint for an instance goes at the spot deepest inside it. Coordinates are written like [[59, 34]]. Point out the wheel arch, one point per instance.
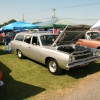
[[48, 59], [56, 70], [17, 50]]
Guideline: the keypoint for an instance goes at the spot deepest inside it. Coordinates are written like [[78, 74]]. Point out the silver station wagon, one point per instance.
[[57, 52]]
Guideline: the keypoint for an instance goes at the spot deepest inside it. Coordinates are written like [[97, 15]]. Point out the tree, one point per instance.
[[36, 22], [11, 21], [6, 23]]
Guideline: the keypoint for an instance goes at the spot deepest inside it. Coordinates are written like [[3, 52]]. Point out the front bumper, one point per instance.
[[81, 63]]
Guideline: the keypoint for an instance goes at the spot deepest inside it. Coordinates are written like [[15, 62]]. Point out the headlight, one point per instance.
[[72, 58]]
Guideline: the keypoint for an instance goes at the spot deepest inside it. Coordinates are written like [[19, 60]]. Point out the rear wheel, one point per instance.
[[20, 55], [53, 67]]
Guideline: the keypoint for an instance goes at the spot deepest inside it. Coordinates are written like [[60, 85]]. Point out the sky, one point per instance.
[[76, 11]]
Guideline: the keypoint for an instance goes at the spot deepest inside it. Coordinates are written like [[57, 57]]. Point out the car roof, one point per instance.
[[93, 31], [35, 34]]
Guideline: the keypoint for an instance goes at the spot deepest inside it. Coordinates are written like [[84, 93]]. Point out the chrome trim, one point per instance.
[[82, 62]]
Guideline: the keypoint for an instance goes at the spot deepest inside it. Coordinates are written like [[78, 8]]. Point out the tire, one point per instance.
[[20, 55], [53, 67]]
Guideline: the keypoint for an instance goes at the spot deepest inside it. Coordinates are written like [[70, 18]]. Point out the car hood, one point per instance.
[[68, 37]]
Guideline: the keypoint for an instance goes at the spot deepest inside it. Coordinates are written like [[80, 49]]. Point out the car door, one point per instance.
[[34, 48], [17, 43], [26, 45]]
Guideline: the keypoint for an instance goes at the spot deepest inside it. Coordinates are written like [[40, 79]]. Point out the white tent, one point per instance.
[[96, 26]]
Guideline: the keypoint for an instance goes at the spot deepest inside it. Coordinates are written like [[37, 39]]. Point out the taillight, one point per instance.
[[0, 75]]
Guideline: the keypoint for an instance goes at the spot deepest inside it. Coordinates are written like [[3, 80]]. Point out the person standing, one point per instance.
[[55, 31], [7, 43], [58, 31]]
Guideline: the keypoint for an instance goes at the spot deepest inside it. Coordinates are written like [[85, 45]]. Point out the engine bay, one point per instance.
[[72, 48]]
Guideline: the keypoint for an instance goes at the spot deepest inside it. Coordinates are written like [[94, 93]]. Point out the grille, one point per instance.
[[82, 56], [81, 52]]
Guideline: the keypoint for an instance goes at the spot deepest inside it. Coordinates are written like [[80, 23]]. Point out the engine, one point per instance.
[[78, 51]]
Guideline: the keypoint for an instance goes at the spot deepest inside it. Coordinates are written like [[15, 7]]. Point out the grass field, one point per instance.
[[25, 79]]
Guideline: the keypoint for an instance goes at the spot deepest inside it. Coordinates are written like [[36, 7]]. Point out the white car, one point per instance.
[[57, 52]]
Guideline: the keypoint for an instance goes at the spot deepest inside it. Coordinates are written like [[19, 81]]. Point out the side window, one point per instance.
[[20, 37], [28, 39], [95, 35], [35, 41]]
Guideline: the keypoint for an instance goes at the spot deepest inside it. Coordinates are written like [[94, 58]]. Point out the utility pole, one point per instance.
[[53, 16], [23, 18], [53, 13]]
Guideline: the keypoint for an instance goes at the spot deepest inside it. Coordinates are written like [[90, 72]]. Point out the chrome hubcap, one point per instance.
[[52, 66], [19, 53]]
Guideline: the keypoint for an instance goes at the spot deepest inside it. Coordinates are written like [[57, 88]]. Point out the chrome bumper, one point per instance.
[[81, 62]]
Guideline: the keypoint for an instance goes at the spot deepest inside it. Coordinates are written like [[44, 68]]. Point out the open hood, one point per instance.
[[68, 37]]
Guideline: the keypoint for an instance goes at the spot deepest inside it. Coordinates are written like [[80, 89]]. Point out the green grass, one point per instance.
[[25, 78]]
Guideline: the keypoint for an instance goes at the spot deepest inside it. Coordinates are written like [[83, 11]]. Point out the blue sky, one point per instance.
[[78, 11]]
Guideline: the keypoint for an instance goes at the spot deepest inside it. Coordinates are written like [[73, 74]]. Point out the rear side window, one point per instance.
[[35, 41], [28, 39], [19, 37]]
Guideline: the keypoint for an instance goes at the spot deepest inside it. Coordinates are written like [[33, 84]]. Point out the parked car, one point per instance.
[[90, 39], [1, 82], [57, 52]]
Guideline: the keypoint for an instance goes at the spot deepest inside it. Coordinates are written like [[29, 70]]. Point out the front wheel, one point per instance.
[[20, 55], [53, 67]]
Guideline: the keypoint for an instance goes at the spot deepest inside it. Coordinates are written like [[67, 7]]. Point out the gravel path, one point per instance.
[[87, 89], [88, 92]]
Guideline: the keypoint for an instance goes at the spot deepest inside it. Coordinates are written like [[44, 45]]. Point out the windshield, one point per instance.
[[48, 39]]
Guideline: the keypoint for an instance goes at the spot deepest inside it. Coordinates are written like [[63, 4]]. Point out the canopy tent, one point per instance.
[[8, 27], [54, 22], [19, 25], [48, 24], [96, 26], [62, 23]]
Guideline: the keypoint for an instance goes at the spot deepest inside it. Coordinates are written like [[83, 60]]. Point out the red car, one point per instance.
[[1, 83]]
